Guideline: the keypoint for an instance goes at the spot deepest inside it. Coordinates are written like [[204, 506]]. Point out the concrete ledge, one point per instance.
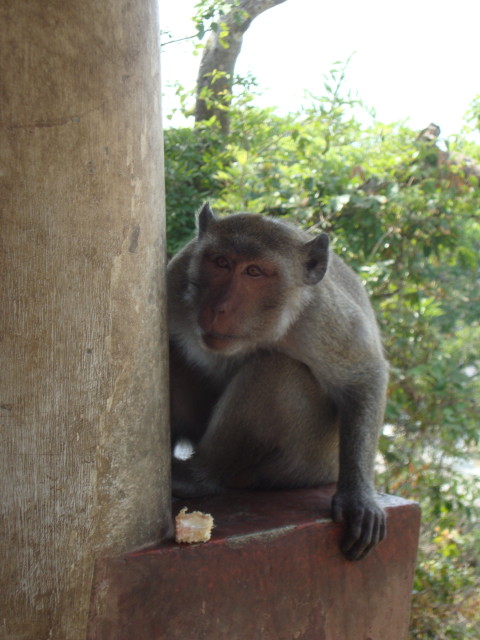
[[272, 571]]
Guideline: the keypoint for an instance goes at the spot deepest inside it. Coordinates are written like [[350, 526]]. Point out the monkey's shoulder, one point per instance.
[[338, 325], [346, 281], [340, 294]]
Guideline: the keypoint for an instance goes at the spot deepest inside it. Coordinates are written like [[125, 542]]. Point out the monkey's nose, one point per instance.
[[220, 307]]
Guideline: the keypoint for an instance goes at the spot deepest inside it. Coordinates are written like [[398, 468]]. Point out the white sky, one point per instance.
[[414, 60]]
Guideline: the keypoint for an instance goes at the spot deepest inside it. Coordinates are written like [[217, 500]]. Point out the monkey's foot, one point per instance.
[[188, 482]]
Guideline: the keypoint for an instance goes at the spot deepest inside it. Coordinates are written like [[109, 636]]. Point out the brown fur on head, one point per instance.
[[250, 277]]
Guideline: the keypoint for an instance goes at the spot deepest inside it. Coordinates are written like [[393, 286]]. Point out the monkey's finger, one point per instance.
[[337, 512], [373, 531], [383, 528], [359, 550], [358, 539], [365, 552], [380, 529], [340, 509], [352, 543]]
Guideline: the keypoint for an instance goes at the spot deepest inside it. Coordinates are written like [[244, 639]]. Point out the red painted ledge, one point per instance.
[[272, 571]]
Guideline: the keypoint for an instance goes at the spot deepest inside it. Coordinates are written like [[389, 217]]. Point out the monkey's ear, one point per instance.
[[205, 216], [316, 259]]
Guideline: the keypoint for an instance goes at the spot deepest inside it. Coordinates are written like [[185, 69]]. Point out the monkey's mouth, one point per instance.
[[219, 341]]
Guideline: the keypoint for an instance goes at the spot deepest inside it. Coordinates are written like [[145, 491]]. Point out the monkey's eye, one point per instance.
[[253, 271], [221, 262]]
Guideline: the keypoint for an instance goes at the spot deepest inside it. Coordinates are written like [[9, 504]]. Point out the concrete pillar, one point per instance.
[[84, 456]]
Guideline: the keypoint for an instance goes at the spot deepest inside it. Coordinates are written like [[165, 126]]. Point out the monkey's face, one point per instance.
[[249, 280], [241, 302]]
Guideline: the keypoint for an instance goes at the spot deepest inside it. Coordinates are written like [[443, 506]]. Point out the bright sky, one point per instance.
[[416, 60]]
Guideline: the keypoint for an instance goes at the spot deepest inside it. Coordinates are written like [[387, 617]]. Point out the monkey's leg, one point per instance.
[[192, 398], [272, 428]]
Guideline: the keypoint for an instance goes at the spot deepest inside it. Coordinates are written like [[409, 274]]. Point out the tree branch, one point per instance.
[[215, 75]]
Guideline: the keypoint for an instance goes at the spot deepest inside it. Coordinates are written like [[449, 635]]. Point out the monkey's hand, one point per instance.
[[365, 522]]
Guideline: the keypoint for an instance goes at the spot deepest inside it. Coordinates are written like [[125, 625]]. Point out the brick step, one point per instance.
[[272, 571]]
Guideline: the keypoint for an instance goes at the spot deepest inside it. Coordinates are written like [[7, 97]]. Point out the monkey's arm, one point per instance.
[[361, 415], [346, 359]]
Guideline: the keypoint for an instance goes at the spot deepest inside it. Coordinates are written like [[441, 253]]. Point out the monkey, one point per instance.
[[278, 375]]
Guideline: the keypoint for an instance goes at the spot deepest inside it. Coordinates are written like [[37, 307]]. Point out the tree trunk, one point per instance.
[[215, 76], [84, 459]]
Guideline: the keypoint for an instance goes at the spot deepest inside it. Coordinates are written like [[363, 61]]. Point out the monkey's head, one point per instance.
[[249, 279]]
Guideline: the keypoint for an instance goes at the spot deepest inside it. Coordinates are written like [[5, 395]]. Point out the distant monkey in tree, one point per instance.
[[277, 370]]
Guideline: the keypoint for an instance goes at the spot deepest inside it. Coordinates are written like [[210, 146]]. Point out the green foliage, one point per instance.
[[192, 159], [408, 222], [473, 117], [210, 14]]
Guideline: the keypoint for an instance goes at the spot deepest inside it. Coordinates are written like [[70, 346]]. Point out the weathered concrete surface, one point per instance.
[[272, 571], [83, 410]]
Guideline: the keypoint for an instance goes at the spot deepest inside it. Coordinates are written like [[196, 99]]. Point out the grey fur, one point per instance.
[[298, 400]]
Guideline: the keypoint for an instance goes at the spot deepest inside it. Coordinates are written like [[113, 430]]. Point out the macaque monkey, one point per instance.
[[278, 376]]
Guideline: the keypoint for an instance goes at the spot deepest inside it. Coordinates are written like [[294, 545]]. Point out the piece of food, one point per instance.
[[193, 527]]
